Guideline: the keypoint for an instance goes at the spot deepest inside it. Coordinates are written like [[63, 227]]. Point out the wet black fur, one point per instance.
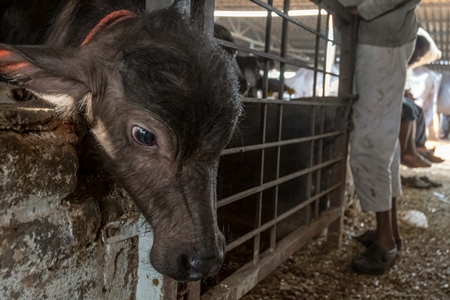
[[163, 69]]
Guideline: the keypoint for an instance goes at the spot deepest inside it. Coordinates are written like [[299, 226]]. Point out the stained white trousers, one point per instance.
[[380, 75]]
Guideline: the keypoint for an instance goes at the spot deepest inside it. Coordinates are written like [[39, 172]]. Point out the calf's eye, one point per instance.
[[143, 137]]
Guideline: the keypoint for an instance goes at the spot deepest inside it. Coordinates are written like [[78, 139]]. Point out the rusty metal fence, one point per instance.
[[282, 178]]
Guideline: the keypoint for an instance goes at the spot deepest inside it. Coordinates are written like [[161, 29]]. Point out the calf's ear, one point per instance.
[[53, 74]]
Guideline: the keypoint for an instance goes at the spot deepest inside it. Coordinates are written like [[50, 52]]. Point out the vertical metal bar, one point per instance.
[[208, 26], [349, 33], [319, 160], [267, 42], [202, 13], [322, 125], [283, 48], [447, 40], [257, 239], [273, 230], [442, 45], [313, 116], [445, 52], [194, 290], [317, 49], [324, 75]]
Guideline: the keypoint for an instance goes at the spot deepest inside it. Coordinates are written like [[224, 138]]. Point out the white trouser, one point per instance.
[[380, 76]]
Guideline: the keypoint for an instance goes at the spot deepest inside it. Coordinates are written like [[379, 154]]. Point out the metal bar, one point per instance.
[[316, 56], [291, 62], [257, 240], [273, 230], [447, 42], [273, 183], [309, 188], [348, 56], [325, 55], [169, 289], [281, 217], [310, 101], [193, 292], [287, 17], [280, 143], [284, 39], [243, 280], [208, 25], [267, 45], [319, 160], [349, 35]]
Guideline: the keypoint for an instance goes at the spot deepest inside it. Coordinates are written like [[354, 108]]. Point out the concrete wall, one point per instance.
[[50, 227]]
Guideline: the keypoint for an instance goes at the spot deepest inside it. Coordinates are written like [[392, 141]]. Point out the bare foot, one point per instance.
[[429, 155], [415, 161]]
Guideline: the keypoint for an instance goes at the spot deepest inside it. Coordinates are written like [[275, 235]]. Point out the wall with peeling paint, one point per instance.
[[50, 227]]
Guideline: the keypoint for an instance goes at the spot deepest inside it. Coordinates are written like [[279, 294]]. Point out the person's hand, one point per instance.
[[354, 10]]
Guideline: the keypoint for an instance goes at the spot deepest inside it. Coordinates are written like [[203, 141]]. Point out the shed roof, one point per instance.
[[433, 15]]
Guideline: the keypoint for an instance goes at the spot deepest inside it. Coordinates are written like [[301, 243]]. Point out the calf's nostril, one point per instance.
[[200, 267]]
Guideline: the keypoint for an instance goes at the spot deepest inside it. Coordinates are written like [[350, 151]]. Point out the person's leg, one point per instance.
[[376, 117], [421, 130], [405, 128], [445, 126], [384, 232], [421, 138], [394, 222], [396, 192], [410, 157]]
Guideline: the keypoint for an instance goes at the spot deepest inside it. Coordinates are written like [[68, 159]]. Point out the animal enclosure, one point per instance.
[[67, 223], [281, 180]]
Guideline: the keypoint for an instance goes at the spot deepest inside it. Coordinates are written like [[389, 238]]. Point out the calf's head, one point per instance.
[[162, 103]]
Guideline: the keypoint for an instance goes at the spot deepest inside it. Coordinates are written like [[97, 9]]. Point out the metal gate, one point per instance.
[[282, 178]]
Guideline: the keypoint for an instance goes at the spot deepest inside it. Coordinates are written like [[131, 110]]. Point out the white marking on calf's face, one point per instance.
[[65, 105], [102, 135]]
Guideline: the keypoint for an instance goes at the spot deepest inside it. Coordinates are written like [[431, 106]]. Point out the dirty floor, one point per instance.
[[422, 271]]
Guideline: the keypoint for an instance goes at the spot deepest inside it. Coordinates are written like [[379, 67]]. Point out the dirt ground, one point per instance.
[[422, 271]]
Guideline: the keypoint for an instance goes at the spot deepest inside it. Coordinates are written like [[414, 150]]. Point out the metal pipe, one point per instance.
[[273, 183], [280, 143]]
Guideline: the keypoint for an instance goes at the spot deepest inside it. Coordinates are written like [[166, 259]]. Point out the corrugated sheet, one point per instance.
[[434, 17]]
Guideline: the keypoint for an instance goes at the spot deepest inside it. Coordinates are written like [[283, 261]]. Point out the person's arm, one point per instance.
[[371, 9]]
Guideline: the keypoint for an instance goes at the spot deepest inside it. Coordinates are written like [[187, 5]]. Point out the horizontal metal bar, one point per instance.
[[312, 101], [273, 183], [291, 62], [292, 20], [281, 217], [244, 279], [297, 63], [280, 143]]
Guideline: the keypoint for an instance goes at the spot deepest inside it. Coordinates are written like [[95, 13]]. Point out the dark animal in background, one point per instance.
[[220, 32], [160, 99], [248, 68]]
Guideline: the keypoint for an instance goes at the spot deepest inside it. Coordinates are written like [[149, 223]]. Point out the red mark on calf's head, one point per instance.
[[10, 66], [4, 53], [110, 19], [14, 67]]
